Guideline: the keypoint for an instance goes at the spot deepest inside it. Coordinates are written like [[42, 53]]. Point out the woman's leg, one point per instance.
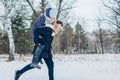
[[36, 55]]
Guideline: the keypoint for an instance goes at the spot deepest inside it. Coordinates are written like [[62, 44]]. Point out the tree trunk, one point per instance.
[[11, 43], [101, 41]]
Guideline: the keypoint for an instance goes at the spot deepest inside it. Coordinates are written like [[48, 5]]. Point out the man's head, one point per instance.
[[57, 26], [59, 23]]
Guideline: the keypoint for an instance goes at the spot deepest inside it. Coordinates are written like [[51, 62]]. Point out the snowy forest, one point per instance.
[[81, 51], [18, 16]]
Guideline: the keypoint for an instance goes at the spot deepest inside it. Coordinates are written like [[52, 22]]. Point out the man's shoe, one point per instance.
[[17, 75], [41, 61]]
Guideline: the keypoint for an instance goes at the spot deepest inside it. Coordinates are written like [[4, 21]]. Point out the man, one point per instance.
[[42, 39], [48, 18]]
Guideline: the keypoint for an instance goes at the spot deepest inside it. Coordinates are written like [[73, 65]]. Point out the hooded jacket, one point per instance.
[[39, 23]]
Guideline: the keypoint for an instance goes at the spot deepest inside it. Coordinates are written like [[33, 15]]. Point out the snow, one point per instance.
[[68, 67]]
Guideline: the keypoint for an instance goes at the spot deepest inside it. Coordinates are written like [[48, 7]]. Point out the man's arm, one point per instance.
[[36, 37], [41, 35]]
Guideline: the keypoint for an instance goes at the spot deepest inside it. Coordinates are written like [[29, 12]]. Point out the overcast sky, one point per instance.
[[88, 9]]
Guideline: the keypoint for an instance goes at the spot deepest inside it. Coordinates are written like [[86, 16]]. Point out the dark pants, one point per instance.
[[50, 65]]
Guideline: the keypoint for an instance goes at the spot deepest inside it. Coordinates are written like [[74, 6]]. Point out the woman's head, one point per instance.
[[51, 13]]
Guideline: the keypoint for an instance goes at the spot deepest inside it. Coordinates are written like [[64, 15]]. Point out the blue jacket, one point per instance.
[[45, 39], [39, 23]]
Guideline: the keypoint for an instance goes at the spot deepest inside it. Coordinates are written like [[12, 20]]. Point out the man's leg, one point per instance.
[[20, 72], [32, 65], [50, 64]]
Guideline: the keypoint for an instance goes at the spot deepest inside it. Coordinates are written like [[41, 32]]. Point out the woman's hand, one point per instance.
[[52, 20]]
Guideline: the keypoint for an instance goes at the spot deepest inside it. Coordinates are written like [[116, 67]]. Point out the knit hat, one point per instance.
[[51, 12]]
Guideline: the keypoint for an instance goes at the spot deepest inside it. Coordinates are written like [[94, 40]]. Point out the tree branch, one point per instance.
[[111, 9], [68, 8], [59, 7], [112, 22], [32, 7]]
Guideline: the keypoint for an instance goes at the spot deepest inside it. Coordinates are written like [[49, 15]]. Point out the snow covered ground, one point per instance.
[[68, 67]]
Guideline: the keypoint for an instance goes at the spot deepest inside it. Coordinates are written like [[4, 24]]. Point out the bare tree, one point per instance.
[[114, 19], [100, 35], [9, 6], [114, 8], [43, 5], [63, 11], [30, 4]]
